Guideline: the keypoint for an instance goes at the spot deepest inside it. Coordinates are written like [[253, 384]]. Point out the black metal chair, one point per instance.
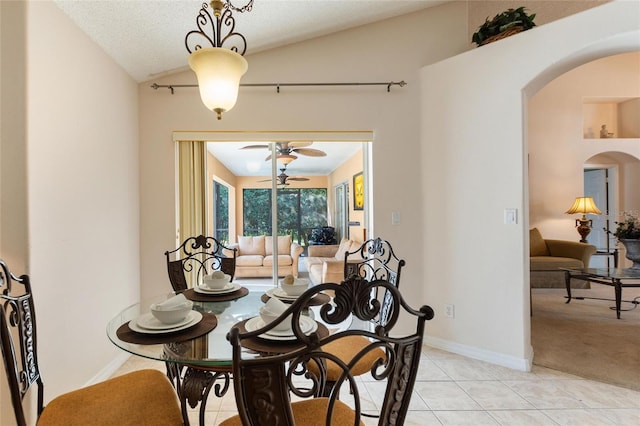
[[374, 260], [199, 256], [265, 385], [141, 397]]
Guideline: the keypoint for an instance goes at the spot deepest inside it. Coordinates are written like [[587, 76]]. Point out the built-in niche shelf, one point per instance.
[[620, 116]]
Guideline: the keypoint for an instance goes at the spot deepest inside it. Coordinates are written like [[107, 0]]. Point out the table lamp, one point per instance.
[[584, 205]]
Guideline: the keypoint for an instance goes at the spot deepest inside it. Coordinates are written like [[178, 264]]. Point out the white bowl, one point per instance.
[[216, 283], [297, 288], [268, 317], [172, 314]]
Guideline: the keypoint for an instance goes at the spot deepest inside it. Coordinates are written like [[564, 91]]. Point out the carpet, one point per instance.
[[584, 338]]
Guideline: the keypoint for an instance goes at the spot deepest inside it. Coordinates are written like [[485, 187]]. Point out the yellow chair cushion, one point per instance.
[[144, 397], [345, 349], [312, 412]]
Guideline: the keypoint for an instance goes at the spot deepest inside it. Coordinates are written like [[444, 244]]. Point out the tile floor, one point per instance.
[[455, 390]]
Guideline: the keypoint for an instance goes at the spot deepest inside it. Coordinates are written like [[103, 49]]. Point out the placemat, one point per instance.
[[317, 300], [191, 294], [267, 346], [205, 325]]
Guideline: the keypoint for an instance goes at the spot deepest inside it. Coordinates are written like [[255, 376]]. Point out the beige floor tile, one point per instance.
[[465, 369], [465, 418], [521, 418], [600, 395], [421, 418], [428, 370], [579, 417], [544, 394], [492, 395], [445, 396], [623, 416]]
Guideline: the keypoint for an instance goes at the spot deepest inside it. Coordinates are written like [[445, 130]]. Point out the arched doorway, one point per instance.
[[474, 118]]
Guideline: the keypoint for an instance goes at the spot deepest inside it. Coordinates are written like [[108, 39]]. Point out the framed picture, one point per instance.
[[358, 191]]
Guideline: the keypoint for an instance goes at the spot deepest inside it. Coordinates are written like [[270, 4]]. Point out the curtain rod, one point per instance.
[[279, 85]]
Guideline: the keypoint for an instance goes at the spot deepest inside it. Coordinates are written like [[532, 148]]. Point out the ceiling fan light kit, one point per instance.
[[286, 150]]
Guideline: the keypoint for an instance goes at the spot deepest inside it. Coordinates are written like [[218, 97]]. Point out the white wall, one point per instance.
[[82, 155], [391, 50], [557, 149], [629, 118], [13, 162], [474, 157]]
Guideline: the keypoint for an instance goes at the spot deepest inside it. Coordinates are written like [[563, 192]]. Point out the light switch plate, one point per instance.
[[395, 218], [510, 216]]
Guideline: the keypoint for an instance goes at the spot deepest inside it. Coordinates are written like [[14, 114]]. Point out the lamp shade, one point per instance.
[[219, 71], [584, 205]]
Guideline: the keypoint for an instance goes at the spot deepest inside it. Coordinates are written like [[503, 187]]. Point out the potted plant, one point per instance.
[[504, 24], [628, 233]]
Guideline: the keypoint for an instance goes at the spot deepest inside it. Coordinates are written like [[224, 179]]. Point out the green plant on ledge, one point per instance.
[[507, 23], [628, 229]]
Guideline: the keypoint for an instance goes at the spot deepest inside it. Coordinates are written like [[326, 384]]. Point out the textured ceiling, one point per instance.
[[146, 37]]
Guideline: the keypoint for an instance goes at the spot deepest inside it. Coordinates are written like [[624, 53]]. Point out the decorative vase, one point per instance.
[[632, 248]]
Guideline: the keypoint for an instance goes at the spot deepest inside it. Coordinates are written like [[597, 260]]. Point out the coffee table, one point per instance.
[[618, 278]]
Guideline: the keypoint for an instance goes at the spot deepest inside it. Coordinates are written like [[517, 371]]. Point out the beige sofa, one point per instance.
[[326, 263], [255, 256], [548, 256]]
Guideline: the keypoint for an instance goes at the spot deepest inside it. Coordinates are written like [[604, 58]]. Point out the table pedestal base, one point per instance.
[[193, 385]]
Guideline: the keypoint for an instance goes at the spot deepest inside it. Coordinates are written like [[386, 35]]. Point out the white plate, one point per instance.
[[307, 325], [229, 288], [280, 294], [144, 324]]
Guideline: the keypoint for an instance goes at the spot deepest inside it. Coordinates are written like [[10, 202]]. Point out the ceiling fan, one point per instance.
[[283, 179], [287, 150]]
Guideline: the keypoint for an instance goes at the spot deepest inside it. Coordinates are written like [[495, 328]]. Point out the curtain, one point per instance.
[[191, 192]]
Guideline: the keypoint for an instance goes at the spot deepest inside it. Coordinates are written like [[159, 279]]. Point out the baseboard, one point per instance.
[[108, 371], [521, 364]]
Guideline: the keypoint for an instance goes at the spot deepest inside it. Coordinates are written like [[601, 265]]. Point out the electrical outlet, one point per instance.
[[449, 311]]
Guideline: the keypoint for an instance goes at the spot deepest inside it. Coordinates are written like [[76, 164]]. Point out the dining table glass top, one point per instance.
[[211, 349]]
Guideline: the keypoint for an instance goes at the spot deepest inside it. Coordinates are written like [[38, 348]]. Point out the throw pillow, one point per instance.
[[343, 248], [251, 245], [537, 245], [284, 244]]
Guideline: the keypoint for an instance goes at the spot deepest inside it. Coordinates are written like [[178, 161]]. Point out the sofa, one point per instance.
[[325, 263], [255, 256], [548, 256]]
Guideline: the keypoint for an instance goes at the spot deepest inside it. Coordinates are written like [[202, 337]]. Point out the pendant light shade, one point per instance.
[[218, 71]]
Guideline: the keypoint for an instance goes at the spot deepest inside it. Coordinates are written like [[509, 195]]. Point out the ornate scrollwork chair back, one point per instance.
[[375, 259], [21, 365], [141, 397], [266, 384], [197, 257]]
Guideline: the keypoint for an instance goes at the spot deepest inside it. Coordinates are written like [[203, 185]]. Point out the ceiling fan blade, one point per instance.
[[297, 178], [311, 152], [255, 147], [299, 144]]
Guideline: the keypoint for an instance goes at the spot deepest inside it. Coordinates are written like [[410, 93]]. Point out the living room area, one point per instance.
[[569, 158], [320, 199]]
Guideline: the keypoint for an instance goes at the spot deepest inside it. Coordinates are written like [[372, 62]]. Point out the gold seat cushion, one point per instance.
[[143, 397], [345, 349], [312, 412]]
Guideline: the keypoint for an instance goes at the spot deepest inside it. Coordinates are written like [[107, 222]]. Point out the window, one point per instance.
[[221, 213], [299, 211]]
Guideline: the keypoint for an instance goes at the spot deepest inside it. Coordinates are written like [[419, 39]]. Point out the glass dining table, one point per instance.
[[199, 357]]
